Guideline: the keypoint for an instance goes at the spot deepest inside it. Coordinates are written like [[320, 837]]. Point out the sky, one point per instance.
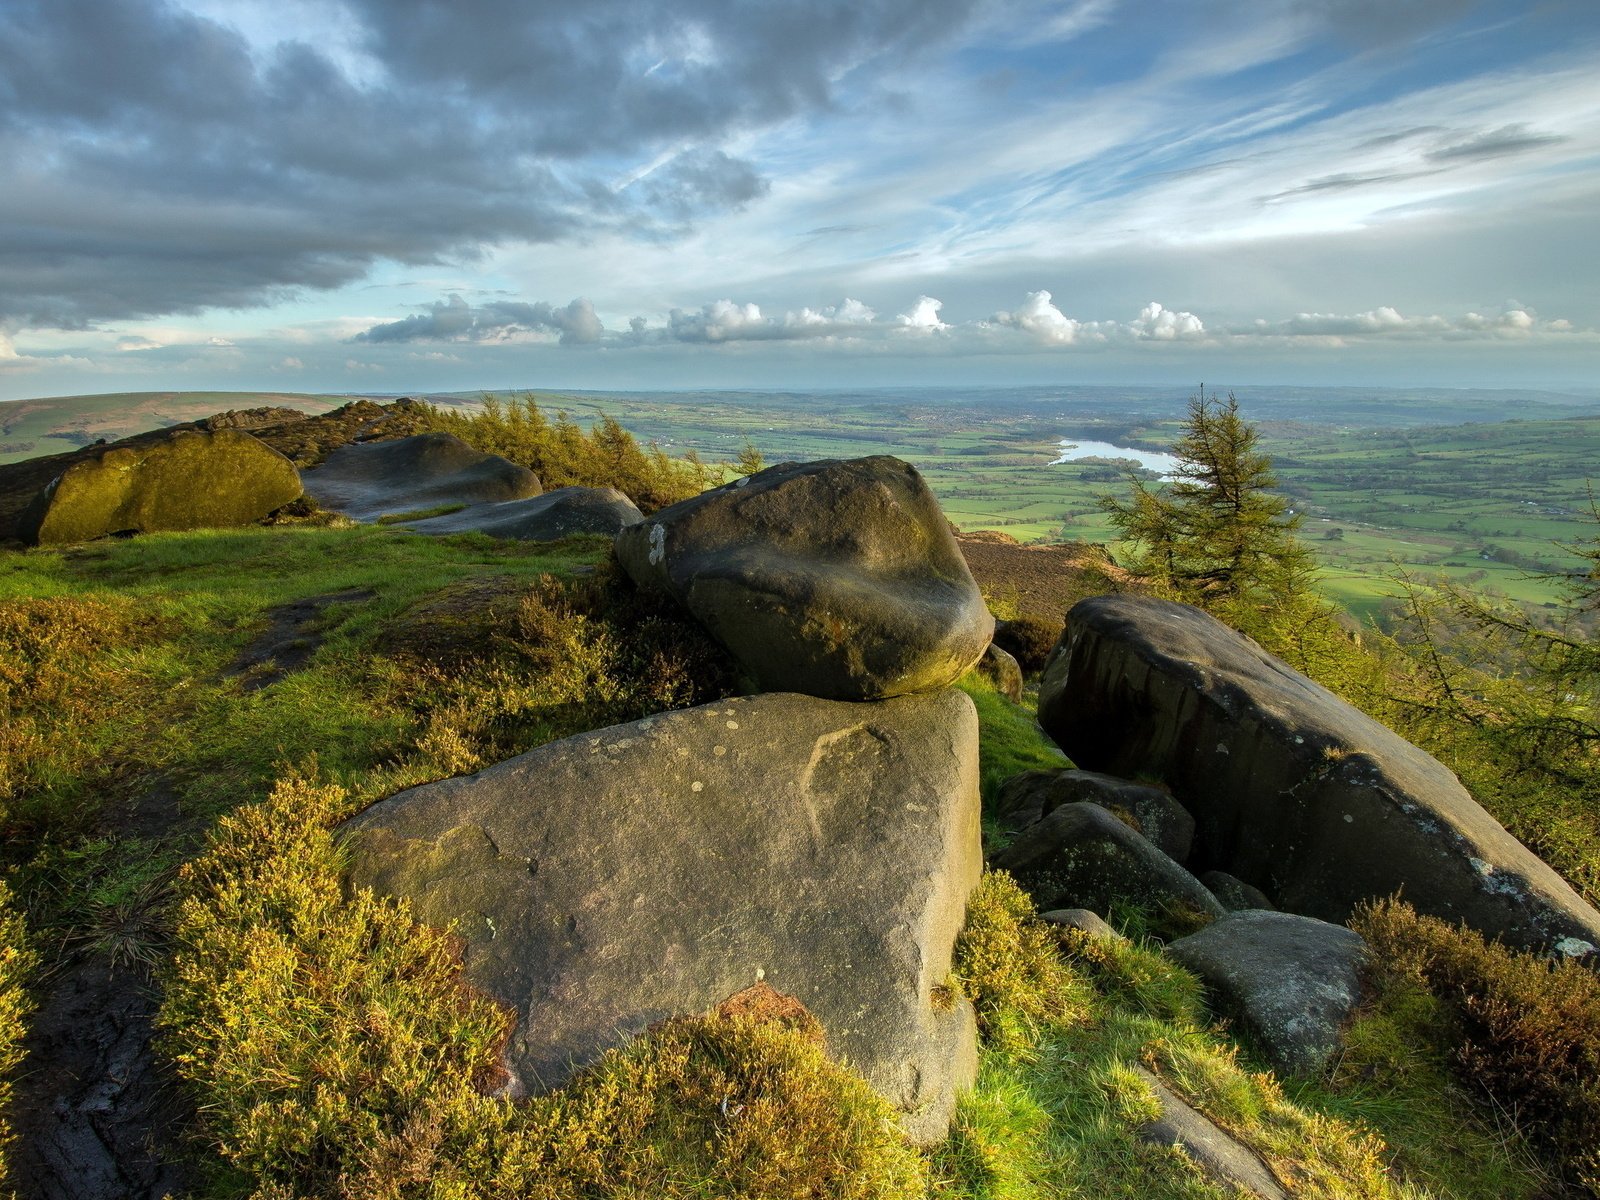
[[439, 195]]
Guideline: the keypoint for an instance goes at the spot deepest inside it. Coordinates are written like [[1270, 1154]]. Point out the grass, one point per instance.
[[17, 960]]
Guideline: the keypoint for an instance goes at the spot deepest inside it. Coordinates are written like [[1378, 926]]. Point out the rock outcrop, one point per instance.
[[616, 878], [555, 514], [368, 480], [1290, 785], [1030, 795], [1215, 1151], [839, 579], [188, 479], [1291, 983], [1080, 856]]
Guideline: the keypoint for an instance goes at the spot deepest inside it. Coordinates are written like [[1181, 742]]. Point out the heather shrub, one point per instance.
[[1008, 963], [16, 960], [1028, 639], [1527, 1030]]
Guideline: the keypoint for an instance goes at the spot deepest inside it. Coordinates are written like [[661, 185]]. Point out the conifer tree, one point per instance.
[[1217, 535]]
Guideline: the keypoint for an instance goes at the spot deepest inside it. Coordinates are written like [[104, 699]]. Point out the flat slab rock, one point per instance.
[[368, 480], [1292, 983], [556, 514], [838, 579], [1214, 1150], [186, 479], [617, 878], [1289, 785]]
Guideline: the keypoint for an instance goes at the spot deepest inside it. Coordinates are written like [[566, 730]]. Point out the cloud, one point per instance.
[[1041, 318], [1495, 143], [726, 321], [455, 320], [162, 161], [1164, 325], [924, 315], [1388, 322]]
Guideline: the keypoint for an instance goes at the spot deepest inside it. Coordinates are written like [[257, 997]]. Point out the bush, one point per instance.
[[1029, 640], [1528, 1029], [16, 961], [338, 1051], [1008, 963], [563, 455]]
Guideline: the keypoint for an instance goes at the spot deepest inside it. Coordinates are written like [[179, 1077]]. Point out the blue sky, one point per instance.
[[422, 195]]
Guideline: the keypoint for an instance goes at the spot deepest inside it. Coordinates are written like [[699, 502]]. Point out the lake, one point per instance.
[[1151, 460]]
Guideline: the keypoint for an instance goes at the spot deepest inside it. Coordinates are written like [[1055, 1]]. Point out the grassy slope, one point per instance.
[[1055, 1110]]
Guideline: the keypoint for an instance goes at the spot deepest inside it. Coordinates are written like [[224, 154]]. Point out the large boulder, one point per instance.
[[838, 578], [368, 480], [556, 514], [616, 878], [1291, 786], [1030, 795], [1081, 856], [1291, 983], [188, 479]]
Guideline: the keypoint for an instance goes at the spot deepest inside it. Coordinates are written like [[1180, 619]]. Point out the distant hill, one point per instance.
[[57, 424]]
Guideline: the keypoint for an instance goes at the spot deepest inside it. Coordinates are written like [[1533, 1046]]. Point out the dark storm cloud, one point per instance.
[[454, 320], [159, 163]]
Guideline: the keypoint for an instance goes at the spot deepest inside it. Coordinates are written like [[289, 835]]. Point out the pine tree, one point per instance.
[[1217, 535]]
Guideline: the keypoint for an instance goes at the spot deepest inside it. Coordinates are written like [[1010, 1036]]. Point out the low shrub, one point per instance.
[[337, 1051], [16, 961], [61, 685], [1008, 963], [1028, 639], [1527, 1029]]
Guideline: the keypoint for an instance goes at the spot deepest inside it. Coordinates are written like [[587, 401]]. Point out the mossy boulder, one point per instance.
[[1081, 856], [1030, 795], [368, 480], [618, 878], [839, 579], [191, 479], [1290, 786]]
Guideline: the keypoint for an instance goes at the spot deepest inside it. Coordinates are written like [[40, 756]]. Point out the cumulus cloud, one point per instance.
[[1040, 317], [1389, 322], [924, 315], [455, 320], [727, 321], [1164, 325]]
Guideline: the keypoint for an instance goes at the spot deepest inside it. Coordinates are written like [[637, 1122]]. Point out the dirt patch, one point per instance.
[[98, 1113], [1040, 581], [293, 633]]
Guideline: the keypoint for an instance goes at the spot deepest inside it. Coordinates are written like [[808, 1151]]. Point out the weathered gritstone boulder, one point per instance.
[[1084, 921], [190, 479], [1235, 894], [1030, 795], [1292, 983], [369, 480], [1214, 1150], [1080, 856], [838, 579], [556, 514], [1290, 785], [1002, 672], [620, 877]]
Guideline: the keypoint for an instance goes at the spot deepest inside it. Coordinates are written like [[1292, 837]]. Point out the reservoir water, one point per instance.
[[1073, 449]]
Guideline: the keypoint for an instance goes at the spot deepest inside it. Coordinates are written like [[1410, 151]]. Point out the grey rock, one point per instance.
[[368, 480], [1030, 795], [837, 578], [1290, 785], [1081, 856], [1215, 1151], [1291, 983], [1234, 893], [620, 877], [556, 514], [1082, 920], [1002, 671]]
